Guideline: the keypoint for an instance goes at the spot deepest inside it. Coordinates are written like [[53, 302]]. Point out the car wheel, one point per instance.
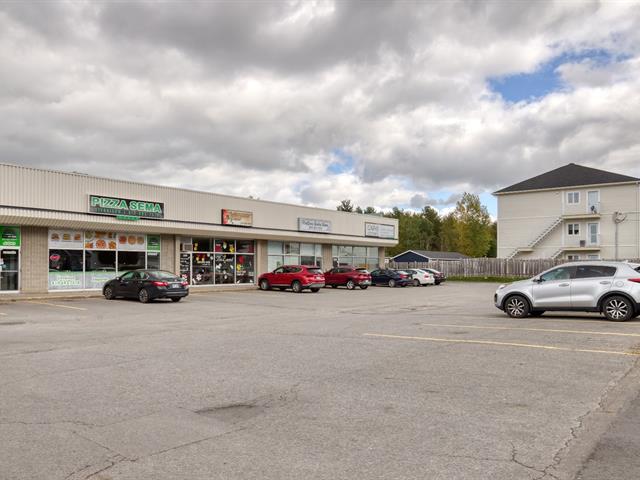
[[143, 296], [351, 284], [536, 313], [392, 283], [176, 299], [314, 290], [416, 282], [364, 287], [517, 306], [264, 284], [296, 286], [108, 293], [334, 286], [617, 309]]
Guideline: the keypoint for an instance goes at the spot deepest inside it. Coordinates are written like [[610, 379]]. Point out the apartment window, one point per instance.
[[573, 198], [573, 257], [573, 229]]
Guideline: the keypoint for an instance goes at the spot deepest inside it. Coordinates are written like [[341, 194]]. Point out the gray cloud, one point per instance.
[[264, 92]]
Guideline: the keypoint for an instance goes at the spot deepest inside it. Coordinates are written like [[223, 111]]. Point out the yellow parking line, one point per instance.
[[490, 327], [506, 344], [56, 305]]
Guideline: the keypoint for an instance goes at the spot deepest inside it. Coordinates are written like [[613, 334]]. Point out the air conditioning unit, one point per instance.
[[583, 243]]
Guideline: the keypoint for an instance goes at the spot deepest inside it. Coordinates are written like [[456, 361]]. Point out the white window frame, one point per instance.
[[569, 196], [575, 232], [597, 201], [573, 257], [593, 257]]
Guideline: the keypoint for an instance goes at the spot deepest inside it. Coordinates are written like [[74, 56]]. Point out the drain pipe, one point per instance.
[[618, 218]]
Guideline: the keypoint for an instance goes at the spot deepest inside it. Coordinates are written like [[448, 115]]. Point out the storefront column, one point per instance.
[[327, 257], [167, 253], [261, 258], [381, 256], [34, 260]]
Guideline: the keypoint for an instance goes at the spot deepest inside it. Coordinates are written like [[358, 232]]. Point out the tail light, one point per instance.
[[634, 280], [161, 284], [185, 284]]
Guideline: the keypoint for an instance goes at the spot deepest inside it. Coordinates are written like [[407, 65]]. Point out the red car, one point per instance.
[[350, 277], [295, 277]]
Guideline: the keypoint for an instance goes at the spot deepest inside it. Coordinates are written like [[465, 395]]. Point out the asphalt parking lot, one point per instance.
[[406, 383]]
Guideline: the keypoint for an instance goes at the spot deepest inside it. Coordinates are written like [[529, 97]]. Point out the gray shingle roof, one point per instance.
[[436, 255], [570, 175]]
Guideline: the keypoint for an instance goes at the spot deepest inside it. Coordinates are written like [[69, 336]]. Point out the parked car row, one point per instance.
[[147, 285], [301, 277]]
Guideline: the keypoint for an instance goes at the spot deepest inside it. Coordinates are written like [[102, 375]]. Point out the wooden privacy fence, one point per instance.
[[487, 267]]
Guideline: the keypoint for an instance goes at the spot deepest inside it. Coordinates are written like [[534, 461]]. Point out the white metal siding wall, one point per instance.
[[34, 188]]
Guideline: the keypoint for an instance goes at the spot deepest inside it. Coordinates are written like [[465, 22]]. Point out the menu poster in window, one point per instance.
[[153, 243], [65, 239], [100, 240], [185, 266], [132, 242]]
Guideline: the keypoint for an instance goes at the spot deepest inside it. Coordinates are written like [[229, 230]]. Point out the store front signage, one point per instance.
[[314, 225], [379, 230], [9, 236], [237, 218], [125, 207]]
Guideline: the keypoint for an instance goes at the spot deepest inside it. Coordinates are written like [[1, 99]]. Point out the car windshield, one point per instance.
[[161, 274], [315, 271]]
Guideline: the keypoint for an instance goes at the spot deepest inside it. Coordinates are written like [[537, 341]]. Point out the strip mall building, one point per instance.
[[70, 232]]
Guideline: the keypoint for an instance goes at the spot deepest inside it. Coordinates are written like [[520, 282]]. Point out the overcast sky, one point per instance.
[[387, 103]]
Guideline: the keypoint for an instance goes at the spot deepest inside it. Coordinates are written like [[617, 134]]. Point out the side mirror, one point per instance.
[[537, 280], [118, 278]]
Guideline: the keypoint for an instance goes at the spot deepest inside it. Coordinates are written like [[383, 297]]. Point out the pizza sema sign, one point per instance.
[[125, 207]]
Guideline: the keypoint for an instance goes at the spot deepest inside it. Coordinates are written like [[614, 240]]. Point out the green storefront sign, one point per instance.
[[9, 236], [153, 243], [125, 207]]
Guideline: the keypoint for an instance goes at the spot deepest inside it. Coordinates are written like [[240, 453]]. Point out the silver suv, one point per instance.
[[612, 288]]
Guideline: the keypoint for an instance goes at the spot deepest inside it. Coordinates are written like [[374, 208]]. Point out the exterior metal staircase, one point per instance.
[[538, 239]]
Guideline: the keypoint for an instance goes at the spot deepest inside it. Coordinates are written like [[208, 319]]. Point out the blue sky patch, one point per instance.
[[546, 79], [344, 162]]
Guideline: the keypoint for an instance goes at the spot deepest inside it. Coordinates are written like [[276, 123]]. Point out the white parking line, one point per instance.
[[3, 314], [491, 327], [57, 305], [505, 344]]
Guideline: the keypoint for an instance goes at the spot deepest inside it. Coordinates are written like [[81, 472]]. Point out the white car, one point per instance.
[[421, 277]]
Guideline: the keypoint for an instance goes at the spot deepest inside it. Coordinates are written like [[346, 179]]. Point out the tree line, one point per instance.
[[468, 229]]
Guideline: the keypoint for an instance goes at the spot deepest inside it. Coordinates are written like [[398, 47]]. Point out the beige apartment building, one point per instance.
[[63, 231], [573, 213]]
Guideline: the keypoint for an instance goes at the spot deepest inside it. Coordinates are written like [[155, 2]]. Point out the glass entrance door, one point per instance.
[[593, 233], [593, 202], [9, 269]]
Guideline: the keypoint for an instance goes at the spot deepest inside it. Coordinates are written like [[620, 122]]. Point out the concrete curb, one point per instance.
[[21, 297]]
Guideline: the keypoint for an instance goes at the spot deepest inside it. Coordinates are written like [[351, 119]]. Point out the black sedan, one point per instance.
[[146, 285], [393, 278]]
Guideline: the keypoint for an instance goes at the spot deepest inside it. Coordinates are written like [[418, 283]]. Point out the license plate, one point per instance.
[[175, 285]]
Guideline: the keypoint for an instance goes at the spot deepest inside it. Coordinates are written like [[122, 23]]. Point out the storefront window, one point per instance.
[[130, 261], [153, 260], [66, 269], [225, 269], [99, 268], [244, 246], [202, 244], [202, 269], [220, 266], [86, 260], [362, 257], [225, 246], [244, 269], [294, 254]]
